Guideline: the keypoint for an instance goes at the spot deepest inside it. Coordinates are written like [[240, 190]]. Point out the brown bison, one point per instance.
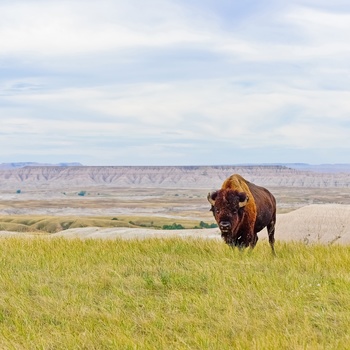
[[241, 210]]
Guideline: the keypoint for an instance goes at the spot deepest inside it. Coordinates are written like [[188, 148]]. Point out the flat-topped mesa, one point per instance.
[[165, 176]]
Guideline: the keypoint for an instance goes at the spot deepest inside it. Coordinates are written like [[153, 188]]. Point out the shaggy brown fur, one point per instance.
[[242, 209]]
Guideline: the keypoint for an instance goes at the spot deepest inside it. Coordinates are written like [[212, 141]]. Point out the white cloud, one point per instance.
[[73, 27], [218, 111], [167, 78]]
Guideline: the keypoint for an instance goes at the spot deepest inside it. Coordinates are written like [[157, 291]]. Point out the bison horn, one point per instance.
[[210, 198], [243, 202]]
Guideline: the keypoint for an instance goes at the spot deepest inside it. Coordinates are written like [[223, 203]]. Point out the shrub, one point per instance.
[[203, 224], [174, 226]]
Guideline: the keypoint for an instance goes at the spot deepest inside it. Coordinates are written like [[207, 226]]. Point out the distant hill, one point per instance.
[[320, 168], [17, 165], [209, 177]]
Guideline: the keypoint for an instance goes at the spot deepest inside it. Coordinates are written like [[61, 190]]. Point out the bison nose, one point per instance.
[[225, 225]]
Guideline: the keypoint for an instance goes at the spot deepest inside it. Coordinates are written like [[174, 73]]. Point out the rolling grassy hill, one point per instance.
[[52, 224]]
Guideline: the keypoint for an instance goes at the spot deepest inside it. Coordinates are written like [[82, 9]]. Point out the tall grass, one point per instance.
[[172, 294]]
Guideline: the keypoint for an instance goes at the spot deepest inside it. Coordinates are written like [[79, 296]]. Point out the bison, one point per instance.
[[242, 209]]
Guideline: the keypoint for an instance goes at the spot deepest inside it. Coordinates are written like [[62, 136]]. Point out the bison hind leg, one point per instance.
[[271, 233]]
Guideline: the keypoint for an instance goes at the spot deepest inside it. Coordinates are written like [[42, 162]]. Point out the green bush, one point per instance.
[[174, 226], [203, 224]]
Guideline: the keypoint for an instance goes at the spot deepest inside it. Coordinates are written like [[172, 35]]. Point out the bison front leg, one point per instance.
[[250, 236], [247, 240], [253, 240]]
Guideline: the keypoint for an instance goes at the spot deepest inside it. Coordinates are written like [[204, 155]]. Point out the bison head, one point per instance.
[[228, 209]]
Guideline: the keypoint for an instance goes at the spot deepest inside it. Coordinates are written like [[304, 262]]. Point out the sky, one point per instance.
[[175, 82]]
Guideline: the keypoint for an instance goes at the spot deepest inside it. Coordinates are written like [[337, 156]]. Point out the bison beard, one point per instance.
[[242, 209]]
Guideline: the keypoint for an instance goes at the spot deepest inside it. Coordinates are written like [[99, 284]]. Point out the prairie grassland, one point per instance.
[[42, 224], [172, 294]]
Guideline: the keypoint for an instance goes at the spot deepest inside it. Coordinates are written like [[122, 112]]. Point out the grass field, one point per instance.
[[51, 224], [172, 294]]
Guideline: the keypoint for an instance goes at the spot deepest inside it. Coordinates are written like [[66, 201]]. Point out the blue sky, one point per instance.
[[181, 82]]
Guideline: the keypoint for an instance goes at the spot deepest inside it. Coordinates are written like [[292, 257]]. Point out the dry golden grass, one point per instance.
[[52, 224], [172, 294]]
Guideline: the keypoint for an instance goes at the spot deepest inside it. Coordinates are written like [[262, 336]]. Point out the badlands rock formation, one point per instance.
[[46, 185], [166, 177]]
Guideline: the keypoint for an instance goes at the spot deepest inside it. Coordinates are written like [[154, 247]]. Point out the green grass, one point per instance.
[[172, 294], [52, 224]]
